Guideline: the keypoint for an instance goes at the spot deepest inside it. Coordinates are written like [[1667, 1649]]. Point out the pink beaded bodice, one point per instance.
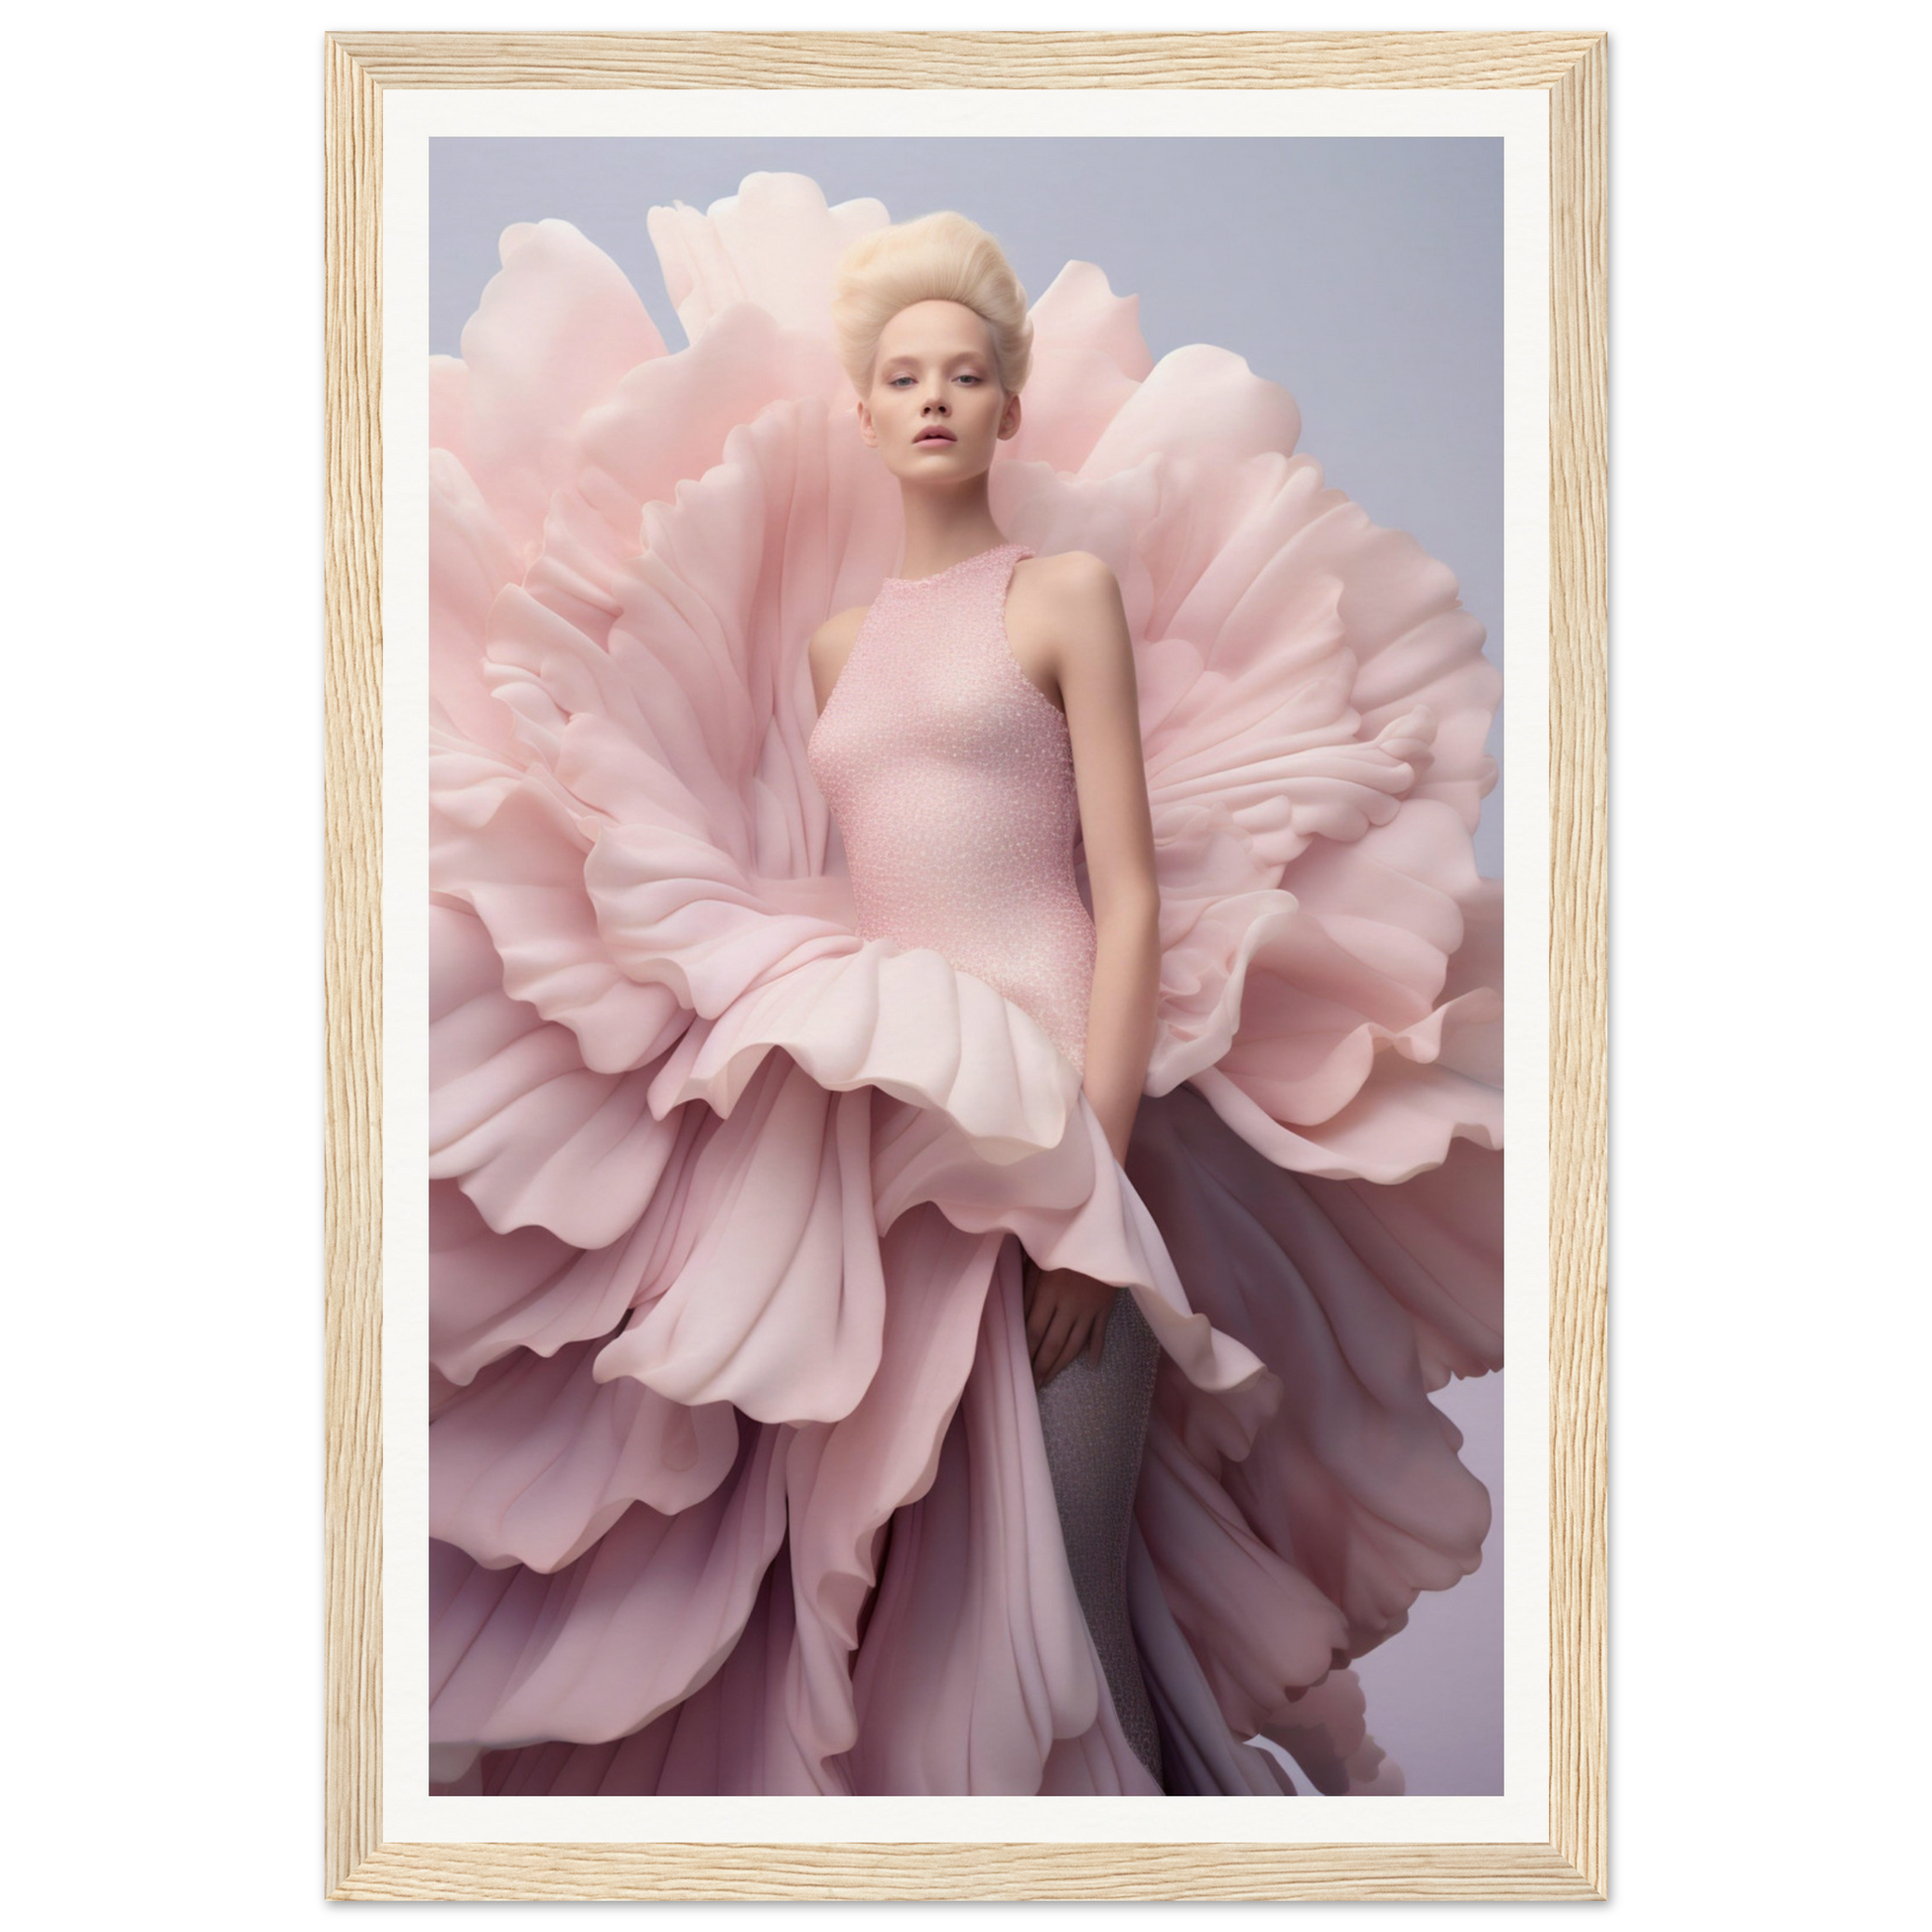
[[950, 777]]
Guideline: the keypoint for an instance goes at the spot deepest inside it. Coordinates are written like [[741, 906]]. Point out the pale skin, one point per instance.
[[1068, 625]]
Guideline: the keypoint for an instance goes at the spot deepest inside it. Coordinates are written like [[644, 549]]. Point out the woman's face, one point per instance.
[[936, 409]]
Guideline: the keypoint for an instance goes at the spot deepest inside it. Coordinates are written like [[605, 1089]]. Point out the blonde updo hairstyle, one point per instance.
[[940, 257]]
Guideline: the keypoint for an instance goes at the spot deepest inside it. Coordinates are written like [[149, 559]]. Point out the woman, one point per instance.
[[961, 800], [795, 1131]]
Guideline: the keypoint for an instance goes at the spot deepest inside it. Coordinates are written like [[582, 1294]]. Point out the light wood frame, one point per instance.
[[1573, 68]]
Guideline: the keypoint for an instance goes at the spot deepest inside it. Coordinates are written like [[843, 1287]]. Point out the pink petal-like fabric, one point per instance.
[[557, 329], [1327, 1737], [737, 1477], [526, 1469], [730, 1735], [779, 1306], [773, 245], [1088, 358], [533, 1136], [846, 1478], [970, 1630], [1354, 1478], [600, 1648]]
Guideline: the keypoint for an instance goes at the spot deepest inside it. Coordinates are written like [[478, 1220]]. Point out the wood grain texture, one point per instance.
[[1225, 1871], [942, 59], [353, 963], [1572, 66], [1579, 964]]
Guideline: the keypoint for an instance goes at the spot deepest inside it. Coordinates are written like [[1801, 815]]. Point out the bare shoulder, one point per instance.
[[838, 632], [1072, 579], [1072, 609], [830, 645]]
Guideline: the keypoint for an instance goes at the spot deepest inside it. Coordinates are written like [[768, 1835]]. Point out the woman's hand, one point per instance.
[[1065, 1313]]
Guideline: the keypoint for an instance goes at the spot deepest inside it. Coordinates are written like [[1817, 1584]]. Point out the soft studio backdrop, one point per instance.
[[1365, 277]]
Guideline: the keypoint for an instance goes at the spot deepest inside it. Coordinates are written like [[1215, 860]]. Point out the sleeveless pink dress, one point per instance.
[[950, 777]]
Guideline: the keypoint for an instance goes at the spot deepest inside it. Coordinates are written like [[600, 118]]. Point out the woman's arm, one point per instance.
[[828, 648], [1091, 656], [1095, 668]]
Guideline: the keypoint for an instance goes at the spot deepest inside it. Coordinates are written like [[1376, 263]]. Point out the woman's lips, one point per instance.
[[931, 436]]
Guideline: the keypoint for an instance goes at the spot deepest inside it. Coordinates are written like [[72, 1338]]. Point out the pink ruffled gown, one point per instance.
[[754, 1063], [950, 774]]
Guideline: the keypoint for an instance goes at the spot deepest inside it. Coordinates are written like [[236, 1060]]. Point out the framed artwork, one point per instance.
[[1403, 228]]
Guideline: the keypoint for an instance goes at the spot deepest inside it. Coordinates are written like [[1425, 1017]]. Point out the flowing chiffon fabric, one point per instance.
[[736, 1482]]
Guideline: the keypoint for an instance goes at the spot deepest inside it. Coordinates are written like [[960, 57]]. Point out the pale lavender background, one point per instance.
[[1363, 275]]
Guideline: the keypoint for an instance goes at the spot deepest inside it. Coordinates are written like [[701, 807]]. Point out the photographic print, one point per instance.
[[757, 1027]]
